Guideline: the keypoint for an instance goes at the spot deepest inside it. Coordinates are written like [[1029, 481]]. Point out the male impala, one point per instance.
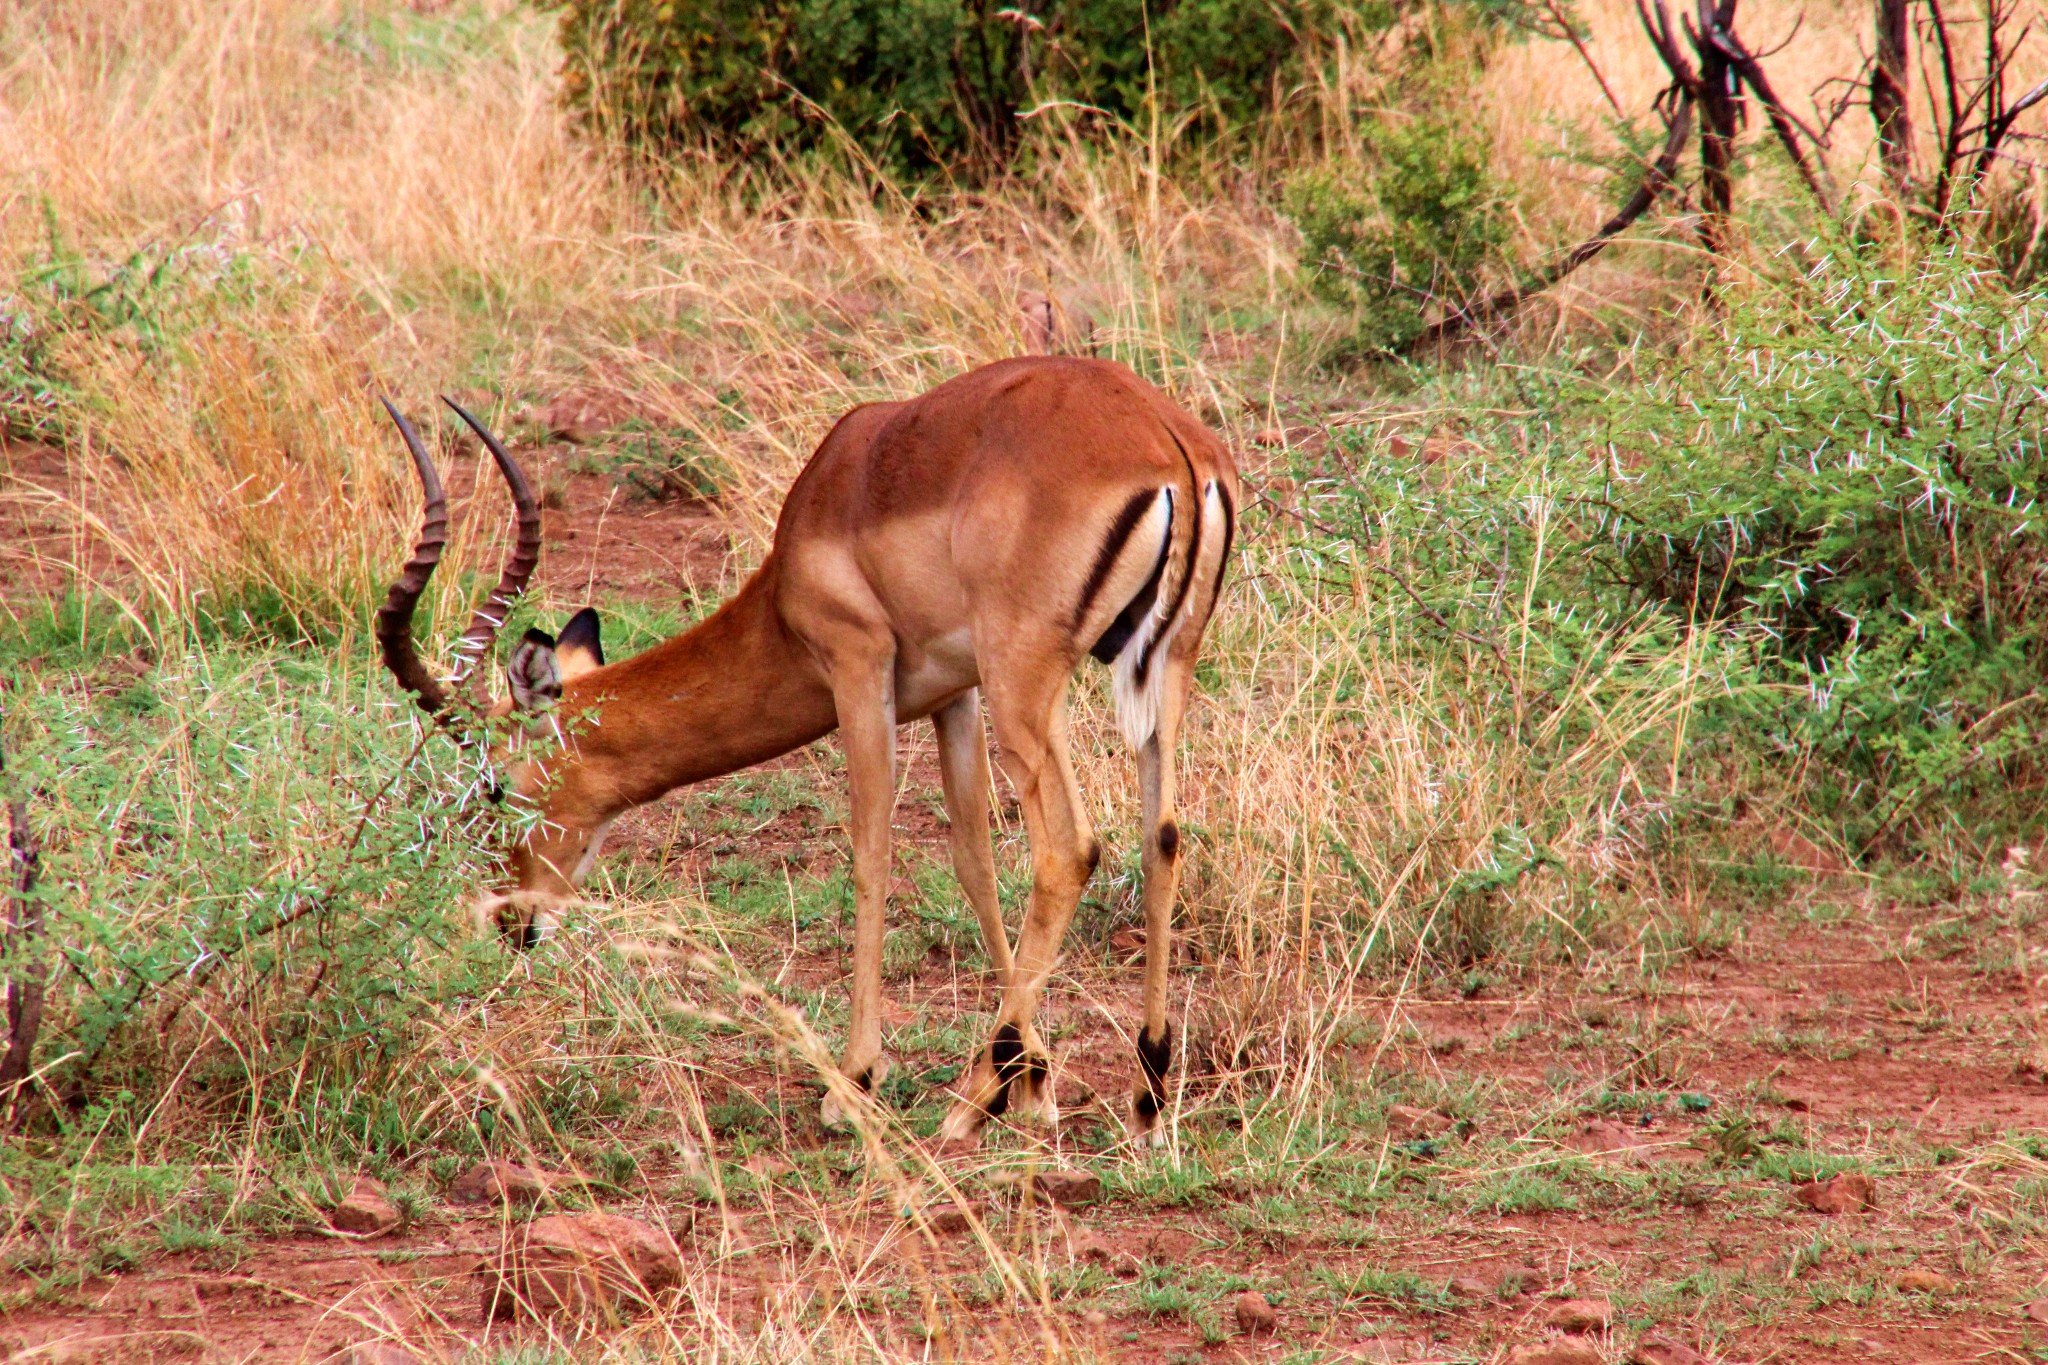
[[980, 538]]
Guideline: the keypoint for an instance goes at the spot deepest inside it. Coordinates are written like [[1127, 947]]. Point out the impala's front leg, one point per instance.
[[866, 700], [1013, 1074]]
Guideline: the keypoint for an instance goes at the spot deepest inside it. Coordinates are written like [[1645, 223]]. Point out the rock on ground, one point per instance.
[[1555, 1353], [1068, 1188], [1255, 1316], [1580, 1315], [1659, 1350], [1919, 1281], [499, 1182], [1848, 1192], [585, 1264], [366, 1212]]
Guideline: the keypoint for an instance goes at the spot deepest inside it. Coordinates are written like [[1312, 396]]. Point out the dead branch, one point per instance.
[[1787, 125], [21, 924], [1571, 33], [1656, 179]]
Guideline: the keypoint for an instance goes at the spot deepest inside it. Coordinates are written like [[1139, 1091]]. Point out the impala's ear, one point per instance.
[[579, 650], [534, 673]]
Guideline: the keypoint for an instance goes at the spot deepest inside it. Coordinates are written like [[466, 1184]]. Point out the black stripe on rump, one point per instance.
[[1194, 548], [1229, 535], [1120, 630], [1112, 546]]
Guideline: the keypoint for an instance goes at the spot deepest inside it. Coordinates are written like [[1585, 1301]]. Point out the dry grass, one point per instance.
[[363, 197]]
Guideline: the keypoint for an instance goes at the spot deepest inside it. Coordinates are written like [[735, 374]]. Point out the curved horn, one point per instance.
[[394, 618], [483, 626]]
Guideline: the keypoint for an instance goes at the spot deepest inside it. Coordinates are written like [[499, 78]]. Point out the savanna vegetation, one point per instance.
[[1640, 612]]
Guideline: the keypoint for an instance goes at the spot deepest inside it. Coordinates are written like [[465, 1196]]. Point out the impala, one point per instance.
[[975, 541]]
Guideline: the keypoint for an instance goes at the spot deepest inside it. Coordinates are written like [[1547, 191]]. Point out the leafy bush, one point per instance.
[[246, 874], [1822, 515], [924, 84], [1854, 462], [1405, 233]]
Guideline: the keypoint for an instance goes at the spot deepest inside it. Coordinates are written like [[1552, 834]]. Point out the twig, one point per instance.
[[1656, 179], [1571, 33], [20, 927]]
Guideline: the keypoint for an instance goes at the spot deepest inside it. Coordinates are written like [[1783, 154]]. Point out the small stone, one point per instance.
[[1255, 1316], [952, 1215], [1603, 1135], [582, 1264], [1085, 1243], [1405, 1122], [1070, 1189], [1581, 1315], [1469, 1287], [1522, 1279], [366, 1212], [1846, 1193], [378, 1353], [499, 1182], [1095, 1319], [1661, 1350], [1919, 1281], [2037, 1311], [1555, 1353]]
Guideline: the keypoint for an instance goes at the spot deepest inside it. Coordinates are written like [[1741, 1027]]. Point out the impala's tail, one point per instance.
[[1182, 593]]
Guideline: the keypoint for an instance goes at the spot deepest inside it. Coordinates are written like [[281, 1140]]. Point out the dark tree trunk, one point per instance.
[[1720, 115], [1888, 104]]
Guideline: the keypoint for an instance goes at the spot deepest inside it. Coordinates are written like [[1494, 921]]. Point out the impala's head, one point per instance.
[[540, 666]]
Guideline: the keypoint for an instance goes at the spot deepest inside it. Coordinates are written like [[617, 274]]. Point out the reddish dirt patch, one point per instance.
[[1926, 1089]]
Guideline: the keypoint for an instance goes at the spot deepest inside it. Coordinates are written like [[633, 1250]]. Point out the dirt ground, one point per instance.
[[1838, 1025], [1926, 1053]]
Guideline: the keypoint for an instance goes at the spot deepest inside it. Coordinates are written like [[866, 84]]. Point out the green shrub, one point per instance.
[[1411, 230], [925, 84], [246, 875], [1853, 461]]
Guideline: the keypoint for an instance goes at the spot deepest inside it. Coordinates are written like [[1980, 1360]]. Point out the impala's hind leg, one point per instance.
[[1161, 860], [1030, 719], [864, 691], [963, 769]]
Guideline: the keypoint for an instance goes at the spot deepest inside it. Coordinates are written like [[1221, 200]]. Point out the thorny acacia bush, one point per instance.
[[1553, 742], [1852, 462], [255, 882]]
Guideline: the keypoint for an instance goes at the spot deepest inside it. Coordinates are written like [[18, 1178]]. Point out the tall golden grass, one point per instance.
[[370, 197], [402, 206]]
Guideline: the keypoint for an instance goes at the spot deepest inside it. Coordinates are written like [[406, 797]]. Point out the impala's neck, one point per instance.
[[734, 691]]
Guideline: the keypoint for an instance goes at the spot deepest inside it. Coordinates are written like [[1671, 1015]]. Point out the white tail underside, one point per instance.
[[1137, 702]]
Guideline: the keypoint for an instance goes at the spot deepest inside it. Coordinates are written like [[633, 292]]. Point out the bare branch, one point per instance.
[[1656, 179], [21, 924], [1784, 122], [1571, 33]]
